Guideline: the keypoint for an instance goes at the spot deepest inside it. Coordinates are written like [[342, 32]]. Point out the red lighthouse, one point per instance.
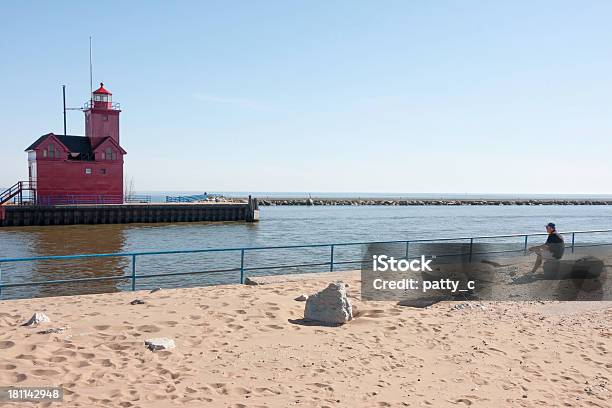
[[81, 169]]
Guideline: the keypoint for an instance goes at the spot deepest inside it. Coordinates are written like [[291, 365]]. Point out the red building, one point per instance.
[[81, 169]]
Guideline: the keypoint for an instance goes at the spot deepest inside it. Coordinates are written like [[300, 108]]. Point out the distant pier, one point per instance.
[[26, 215]]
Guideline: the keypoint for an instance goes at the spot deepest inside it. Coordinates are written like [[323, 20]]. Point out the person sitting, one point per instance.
[[553, 248]]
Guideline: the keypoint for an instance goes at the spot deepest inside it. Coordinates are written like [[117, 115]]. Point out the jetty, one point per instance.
[[416, 202]]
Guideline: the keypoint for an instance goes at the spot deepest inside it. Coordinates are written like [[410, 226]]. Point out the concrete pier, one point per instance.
[[24, 215]]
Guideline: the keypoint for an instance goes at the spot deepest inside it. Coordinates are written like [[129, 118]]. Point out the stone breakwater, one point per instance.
[[403, 202]]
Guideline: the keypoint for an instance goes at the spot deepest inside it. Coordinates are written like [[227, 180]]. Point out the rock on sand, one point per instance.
[[36, 319], [161, 343], [331, 305]]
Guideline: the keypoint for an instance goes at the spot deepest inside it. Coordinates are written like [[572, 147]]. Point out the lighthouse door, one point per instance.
[[32, 172], [32, 166]]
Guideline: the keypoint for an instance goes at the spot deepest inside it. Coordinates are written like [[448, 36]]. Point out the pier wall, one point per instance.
[[24, 215]]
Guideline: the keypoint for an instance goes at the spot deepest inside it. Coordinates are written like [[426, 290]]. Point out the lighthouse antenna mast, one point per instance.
[[90, 130], [90, 73]]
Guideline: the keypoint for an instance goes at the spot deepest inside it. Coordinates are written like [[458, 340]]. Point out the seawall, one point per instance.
[[26, 215]]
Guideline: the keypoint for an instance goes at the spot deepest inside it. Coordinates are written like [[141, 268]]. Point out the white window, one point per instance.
[[88, 171]]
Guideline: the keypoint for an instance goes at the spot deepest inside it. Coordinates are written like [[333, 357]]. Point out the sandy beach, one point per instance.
[[246, 346]]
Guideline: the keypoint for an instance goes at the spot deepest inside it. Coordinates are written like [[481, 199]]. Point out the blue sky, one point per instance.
[[393, 96]]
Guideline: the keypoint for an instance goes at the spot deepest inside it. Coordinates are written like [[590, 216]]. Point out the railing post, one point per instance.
[[242, 266], [525, 248], [471, 246], [407, 247], [573, 241], [133, 273], [0, 280], [331, 258]]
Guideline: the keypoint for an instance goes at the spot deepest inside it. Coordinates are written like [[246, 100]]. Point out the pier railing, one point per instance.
[[187, 199], [331, 263], [78, 199]]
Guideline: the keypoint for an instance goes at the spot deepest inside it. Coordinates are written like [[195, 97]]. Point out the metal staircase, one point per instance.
[[16, 193]]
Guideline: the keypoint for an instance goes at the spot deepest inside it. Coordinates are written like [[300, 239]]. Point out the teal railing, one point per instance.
[[243, 269]]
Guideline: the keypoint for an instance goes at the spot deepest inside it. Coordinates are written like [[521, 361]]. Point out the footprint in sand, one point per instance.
[[240, 391], [18, 377], [45, 373], [26, 357], [6, 344], [67, 353], [220, 388], [102, 327], [323, 386], [7, 367], [148, 328], [266, 391], [119, 347], [80, 364]]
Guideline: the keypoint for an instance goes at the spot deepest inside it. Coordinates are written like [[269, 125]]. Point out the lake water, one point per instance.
[[278, 226]]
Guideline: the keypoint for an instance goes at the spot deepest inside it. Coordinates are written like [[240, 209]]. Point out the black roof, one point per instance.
[[75, 144]]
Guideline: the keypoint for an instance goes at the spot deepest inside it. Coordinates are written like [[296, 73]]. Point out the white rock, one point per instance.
[[36, 319], [162, 343], [301, 298], [249, 281], [331, 305]]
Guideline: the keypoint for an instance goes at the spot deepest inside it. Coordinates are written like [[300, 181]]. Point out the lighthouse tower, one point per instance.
[[101, 117]]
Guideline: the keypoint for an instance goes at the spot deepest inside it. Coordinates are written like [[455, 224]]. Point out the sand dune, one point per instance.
[[244, 346]]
